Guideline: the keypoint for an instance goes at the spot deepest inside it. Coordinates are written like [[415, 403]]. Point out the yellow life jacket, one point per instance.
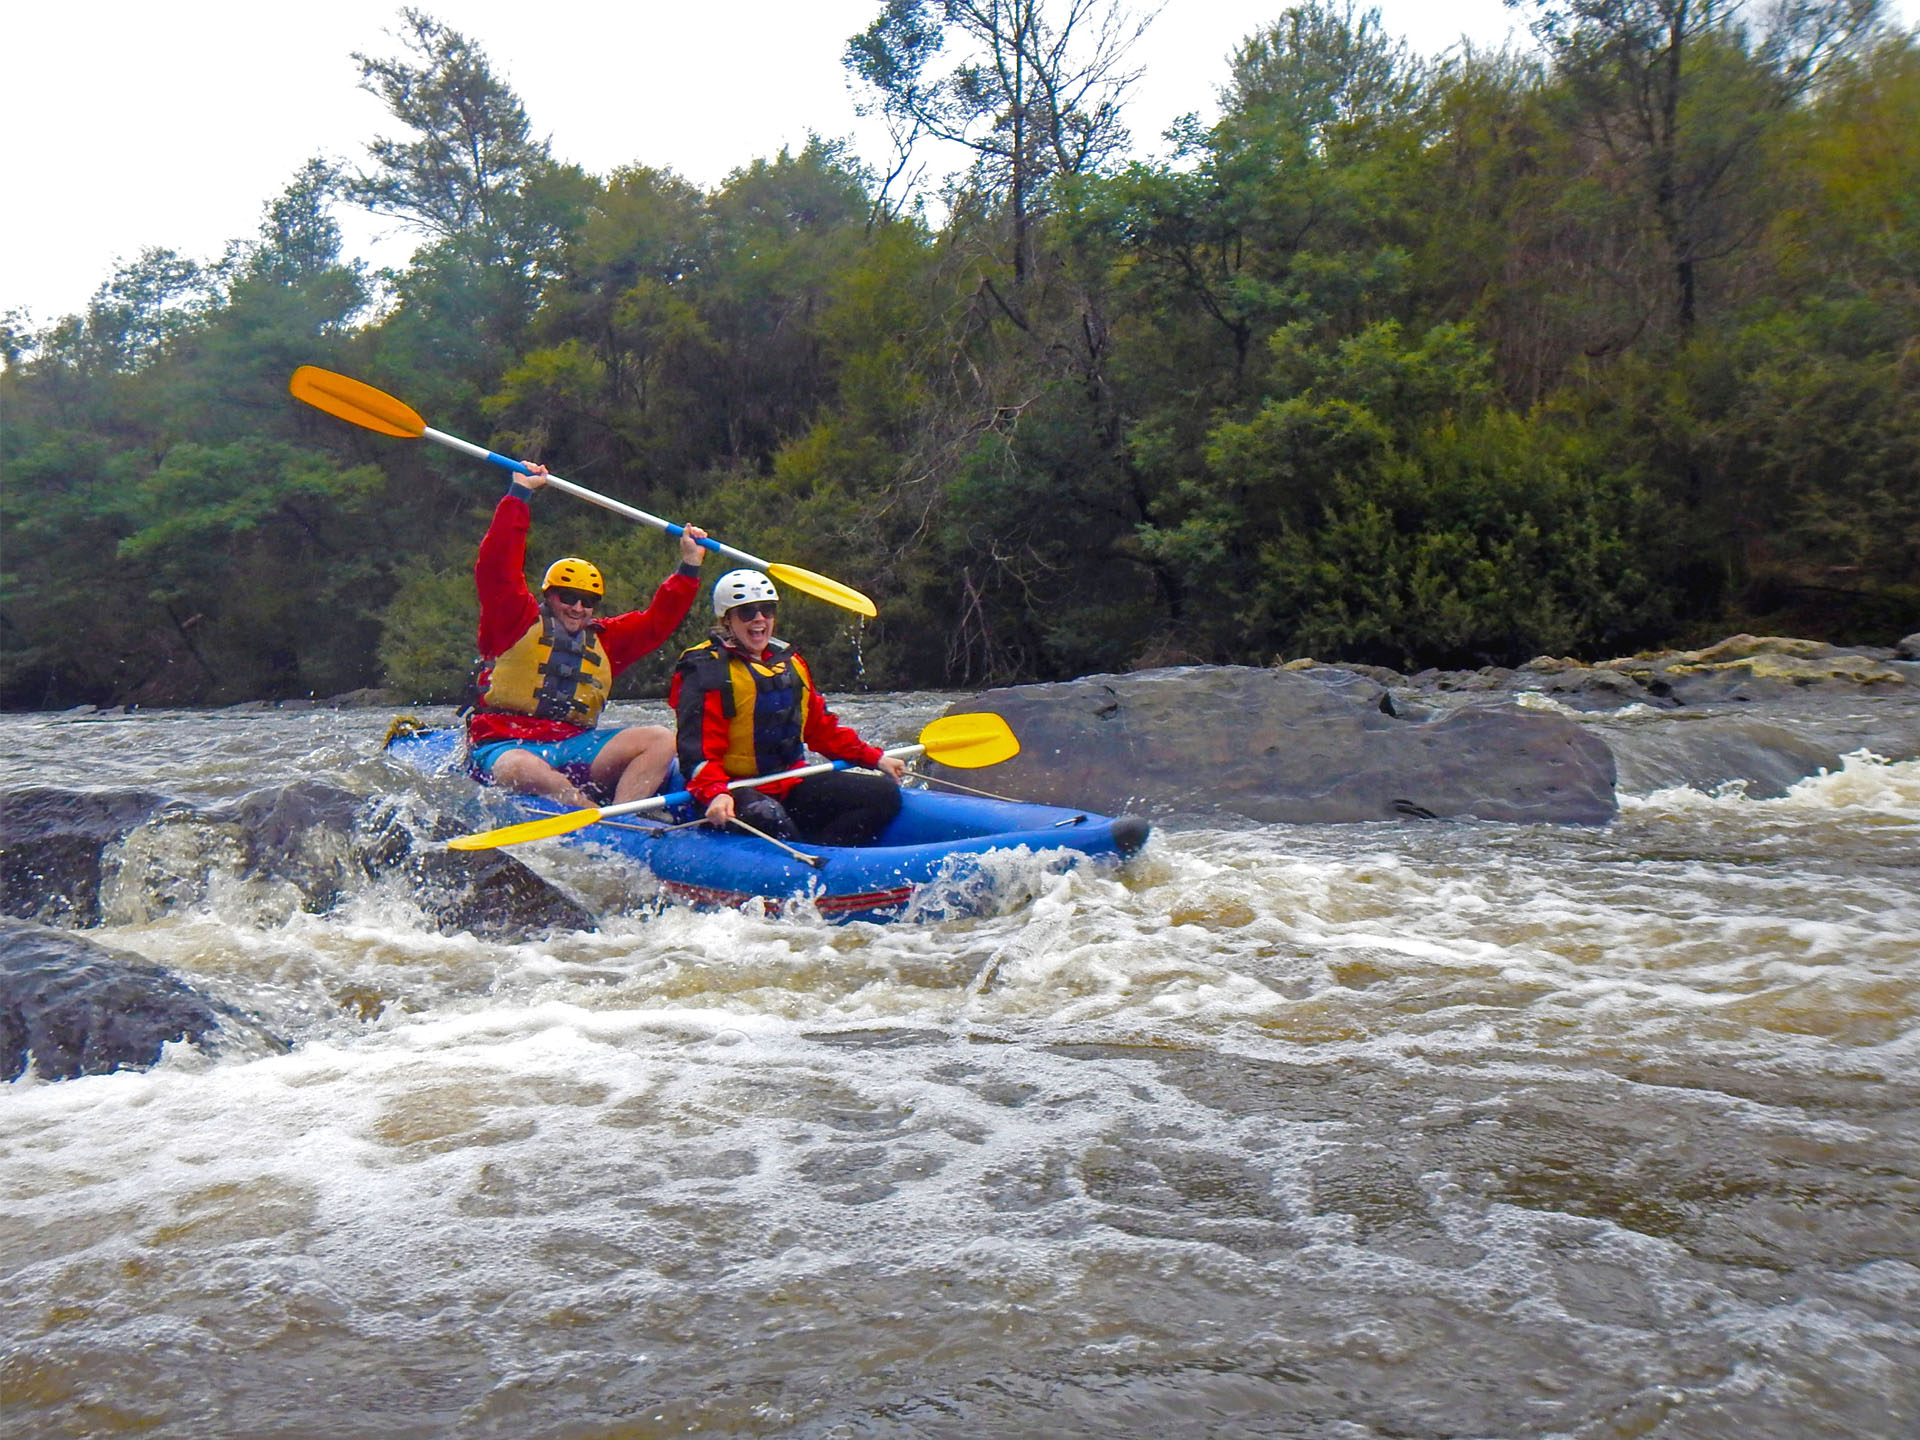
[[765, 702], [552, 675]]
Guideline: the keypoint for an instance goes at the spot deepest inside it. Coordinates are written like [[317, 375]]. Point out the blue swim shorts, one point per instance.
[[573, 757]]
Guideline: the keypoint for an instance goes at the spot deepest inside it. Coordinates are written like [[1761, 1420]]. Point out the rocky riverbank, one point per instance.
[[1741, 670], [1308, 742]]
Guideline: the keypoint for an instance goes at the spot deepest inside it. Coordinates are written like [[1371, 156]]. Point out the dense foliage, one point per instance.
[[1407, 361]]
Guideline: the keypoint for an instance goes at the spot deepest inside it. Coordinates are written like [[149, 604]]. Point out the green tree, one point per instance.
[[1682, 94], [1391, 510], [491, 200], [1034, 93]]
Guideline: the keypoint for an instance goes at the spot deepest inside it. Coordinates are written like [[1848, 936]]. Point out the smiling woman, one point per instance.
[[746, 705]]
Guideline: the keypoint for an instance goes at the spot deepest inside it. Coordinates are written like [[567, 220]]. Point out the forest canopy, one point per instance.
[[1405, 360]]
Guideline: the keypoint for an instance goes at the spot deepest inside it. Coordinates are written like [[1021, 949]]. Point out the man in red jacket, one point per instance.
[[549, 666]]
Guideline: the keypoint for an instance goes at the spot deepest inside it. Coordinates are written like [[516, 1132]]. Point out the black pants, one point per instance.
[[835, 808]]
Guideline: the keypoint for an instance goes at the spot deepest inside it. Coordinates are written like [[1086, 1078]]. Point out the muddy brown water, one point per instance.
[[1434, 1130]]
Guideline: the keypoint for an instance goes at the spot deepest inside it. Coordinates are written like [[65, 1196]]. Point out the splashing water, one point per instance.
[[1423, 1129]]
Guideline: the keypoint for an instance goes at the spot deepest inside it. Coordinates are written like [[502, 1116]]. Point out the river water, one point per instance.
[[1409, 1130]]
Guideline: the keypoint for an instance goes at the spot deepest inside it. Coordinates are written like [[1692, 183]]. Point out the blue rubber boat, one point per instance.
[[932, 862]]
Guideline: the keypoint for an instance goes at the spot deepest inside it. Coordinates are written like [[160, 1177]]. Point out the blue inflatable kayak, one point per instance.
[[927, 864]]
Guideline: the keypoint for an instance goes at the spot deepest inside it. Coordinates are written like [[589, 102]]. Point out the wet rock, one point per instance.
[[1713, 751], [50, 857], [307, 845], [1908, 649], [282, 849], [1278, 745], [74, 1007], [302, 833], [494, 896], [325, 840], [484, 892]]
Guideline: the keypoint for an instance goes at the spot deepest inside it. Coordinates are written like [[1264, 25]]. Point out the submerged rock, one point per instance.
[[302, 834], [494, 896], [1707, 752], [485, 892], [323, 840], [53, 840], [72, 1007], [304, 846], [1274, 745]]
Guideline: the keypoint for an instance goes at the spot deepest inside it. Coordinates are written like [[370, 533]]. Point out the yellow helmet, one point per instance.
[[574, 574]]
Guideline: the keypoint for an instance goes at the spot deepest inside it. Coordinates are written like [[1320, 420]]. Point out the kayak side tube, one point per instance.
[[930, 850]]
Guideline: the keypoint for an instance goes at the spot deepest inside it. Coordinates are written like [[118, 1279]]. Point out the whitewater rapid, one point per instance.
[[1339, 1131]]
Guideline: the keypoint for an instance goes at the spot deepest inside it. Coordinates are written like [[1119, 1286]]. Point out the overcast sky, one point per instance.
[[143, 124]]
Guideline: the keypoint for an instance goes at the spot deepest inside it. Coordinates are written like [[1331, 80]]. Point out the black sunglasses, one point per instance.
[[767, 608], [575, 597]]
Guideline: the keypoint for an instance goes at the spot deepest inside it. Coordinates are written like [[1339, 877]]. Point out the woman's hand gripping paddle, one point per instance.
[[965, 742], [360, 404]]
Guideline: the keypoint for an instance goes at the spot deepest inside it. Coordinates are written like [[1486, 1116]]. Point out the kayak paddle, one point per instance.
[[360, 404], [965, 742]]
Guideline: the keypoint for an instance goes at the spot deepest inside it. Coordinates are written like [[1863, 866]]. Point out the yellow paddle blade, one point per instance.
[[358, 403], [821, 588], [527, 830], [967, 742]]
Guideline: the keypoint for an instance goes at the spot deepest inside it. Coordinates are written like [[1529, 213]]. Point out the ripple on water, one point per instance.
[[1396, 1129]]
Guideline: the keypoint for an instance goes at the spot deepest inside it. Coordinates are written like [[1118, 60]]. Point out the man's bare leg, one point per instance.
[[639, 757], [527, 773]]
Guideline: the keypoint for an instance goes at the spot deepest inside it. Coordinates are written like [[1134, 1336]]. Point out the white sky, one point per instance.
[[137, 124]]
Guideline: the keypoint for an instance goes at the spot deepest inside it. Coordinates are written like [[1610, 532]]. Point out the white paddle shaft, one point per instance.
[[661, 802], [592, 497]]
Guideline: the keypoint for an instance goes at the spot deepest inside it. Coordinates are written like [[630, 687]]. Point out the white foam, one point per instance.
[[1867, 785]]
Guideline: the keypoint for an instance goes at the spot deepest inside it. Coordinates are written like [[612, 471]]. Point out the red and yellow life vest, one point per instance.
[[764, 700], [543, 675]]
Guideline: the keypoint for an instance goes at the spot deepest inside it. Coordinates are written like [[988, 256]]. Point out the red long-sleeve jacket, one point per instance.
[[508, 610]]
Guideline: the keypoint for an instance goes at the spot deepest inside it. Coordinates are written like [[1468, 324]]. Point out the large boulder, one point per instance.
[[72, 1007], [1280, 746]]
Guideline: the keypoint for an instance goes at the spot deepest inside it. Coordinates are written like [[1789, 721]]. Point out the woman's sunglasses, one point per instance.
[[575, 597], [767, 608]]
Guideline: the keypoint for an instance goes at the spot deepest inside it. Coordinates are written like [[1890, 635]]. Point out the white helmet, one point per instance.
[[741, 587]]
